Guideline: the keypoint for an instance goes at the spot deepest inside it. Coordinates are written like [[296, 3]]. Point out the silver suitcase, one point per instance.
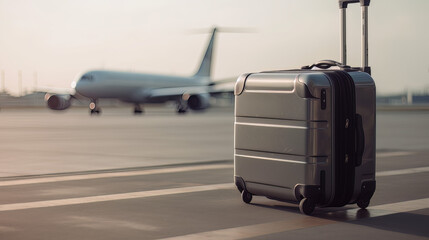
[[307, 135]]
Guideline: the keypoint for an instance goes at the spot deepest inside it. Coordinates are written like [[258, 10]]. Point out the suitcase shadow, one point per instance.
[[406, 223], [339, 214], [329, 213], [285, 208], [412, 223]]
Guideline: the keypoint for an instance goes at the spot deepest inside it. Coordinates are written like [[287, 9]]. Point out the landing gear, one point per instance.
[[93, 107], [138, 109], [182, 107], [306, 206]]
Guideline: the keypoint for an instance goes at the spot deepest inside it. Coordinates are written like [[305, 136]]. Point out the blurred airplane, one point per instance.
[[191, 92]]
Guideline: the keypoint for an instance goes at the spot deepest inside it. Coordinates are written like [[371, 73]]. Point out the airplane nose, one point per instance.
[[81, 88], [77, 86]]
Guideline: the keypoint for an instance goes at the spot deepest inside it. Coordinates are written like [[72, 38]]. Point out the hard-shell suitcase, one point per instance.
[[307, 135]]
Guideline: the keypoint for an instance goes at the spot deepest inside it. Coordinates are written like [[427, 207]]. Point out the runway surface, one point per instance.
[[160, 175]]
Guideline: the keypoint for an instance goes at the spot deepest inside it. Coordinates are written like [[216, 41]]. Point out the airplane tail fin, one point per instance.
[[205, 67]]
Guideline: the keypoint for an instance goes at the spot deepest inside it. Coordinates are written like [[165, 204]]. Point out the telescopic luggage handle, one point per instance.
[[364, 5]]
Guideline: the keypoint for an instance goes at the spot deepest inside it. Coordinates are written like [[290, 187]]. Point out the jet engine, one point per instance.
[[199, 101], [58, 102]]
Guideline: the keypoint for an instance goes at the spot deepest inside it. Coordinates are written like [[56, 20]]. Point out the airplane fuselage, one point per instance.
[[132, 87]]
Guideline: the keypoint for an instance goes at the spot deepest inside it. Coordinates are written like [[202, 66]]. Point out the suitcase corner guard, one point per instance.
[[313, 192], [367, 191], [239, 85], [239, 182]]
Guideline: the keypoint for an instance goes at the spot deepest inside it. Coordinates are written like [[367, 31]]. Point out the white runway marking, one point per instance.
[[402, 171], [113, 174], [392, 154], [113, 197], [166, 170], [303, 221]]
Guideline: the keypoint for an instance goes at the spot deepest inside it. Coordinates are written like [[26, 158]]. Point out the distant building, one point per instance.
[[422, 99], [403, 99], [37, 99]]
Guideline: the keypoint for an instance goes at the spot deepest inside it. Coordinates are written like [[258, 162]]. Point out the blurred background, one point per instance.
[[45, 44]]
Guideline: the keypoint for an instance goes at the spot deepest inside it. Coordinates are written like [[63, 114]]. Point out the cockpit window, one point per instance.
[[87, 77]]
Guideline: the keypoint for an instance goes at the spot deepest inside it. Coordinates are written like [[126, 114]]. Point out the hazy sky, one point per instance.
[[61, 39]]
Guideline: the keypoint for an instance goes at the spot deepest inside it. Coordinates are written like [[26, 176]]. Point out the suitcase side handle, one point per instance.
[[360, 140]]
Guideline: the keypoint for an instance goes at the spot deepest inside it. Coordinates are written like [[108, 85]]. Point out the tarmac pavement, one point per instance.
[[160, 175]]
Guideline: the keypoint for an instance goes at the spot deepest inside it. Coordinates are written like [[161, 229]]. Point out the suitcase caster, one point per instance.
[[363, 203], [246, 196], [306, 206]]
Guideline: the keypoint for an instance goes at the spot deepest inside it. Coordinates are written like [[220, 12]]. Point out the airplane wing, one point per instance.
[[223, 86], [213, 89], [53, 90], [225, 80], [174, 92]]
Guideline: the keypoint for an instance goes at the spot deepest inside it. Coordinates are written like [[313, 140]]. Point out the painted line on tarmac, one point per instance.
[[164, 171], [402, 171], [257, 230], [113, 197], [392, 154], [302, 221], [113, 174]]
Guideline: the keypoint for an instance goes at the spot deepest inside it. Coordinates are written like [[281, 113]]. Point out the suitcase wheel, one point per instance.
[[306, 206], [246, 196], [363, 203]]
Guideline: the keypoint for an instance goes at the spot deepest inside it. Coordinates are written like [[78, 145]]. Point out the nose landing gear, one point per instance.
[[93, 107]]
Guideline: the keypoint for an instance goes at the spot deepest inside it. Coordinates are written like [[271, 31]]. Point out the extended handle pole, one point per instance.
[[364, 36], [343, 36], [343, 25]]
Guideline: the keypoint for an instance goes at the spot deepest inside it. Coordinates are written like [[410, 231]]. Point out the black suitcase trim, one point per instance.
[[345, 140]]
